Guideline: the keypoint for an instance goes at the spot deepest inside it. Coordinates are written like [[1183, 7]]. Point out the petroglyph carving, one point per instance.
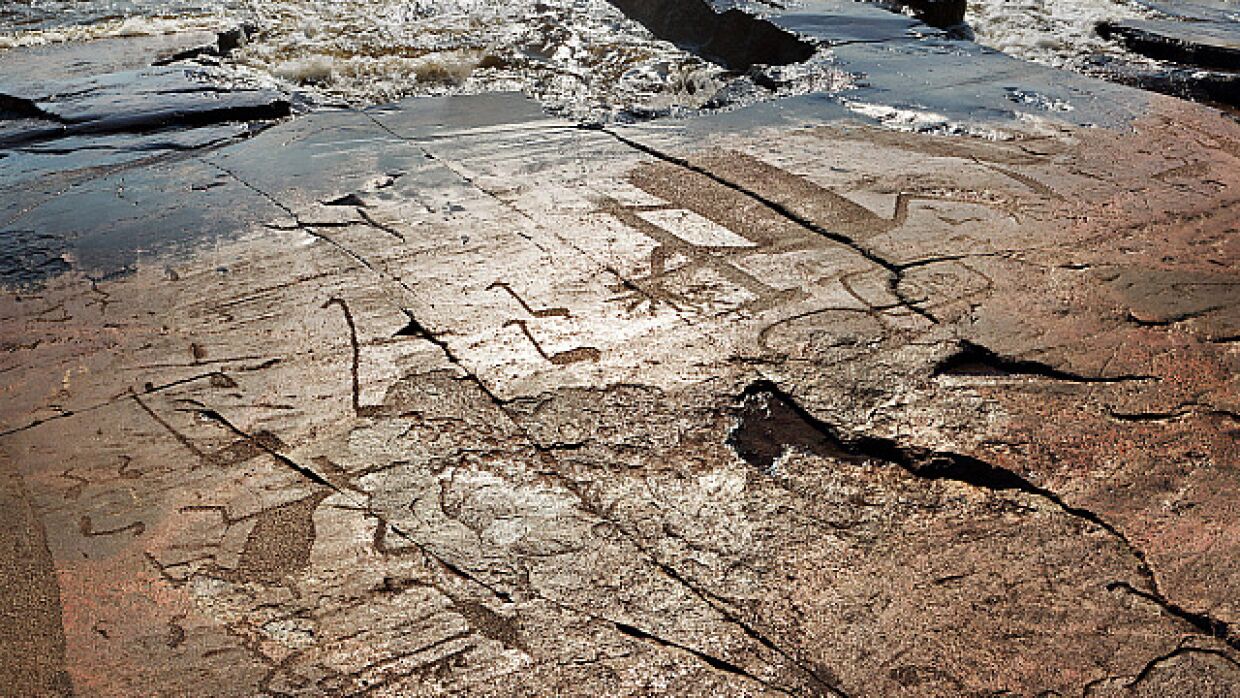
[[675, 261], [563, 358], [80, 483], [358, 408], [87, 528], [747, 208], [279, 544], [236, 452], [542, 313]]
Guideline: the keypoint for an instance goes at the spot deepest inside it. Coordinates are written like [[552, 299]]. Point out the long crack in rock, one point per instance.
[[770, 423], [451, 397]]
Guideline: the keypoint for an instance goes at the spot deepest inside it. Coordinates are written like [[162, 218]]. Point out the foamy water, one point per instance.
[[576, 56], [580, 58], [41, 22], [1053, 32]]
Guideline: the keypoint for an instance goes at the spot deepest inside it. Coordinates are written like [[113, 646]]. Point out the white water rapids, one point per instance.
[[581, 58]]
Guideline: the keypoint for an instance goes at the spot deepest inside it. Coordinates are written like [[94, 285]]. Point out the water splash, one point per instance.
[[581, 58]]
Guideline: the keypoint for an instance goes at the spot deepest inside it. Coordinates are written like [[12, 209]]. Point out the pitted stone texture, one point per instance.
[[474, 431]]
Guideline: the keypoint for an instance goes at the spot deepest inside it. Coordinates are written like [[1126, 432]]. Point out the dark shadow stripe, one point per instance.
[[733, 39]]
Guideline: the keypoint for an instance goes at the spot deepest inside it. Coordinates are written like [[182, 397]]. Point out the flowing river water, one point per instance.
[[580, 58]]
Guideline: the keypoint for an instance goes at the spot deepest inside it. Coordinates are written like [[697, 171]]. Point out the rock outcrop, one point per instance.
[[928, 389], [735, 39], [936, 13], [1196, 44]]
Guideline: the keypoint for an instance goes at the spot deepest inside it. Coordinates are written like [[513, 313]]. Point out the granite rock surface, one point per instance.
[[925, 390]]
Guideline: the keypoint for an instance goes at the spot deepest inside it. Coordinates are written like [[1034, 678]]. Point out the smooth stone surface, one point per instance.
[[1196, 46], [83, 120], [523, 408], [1207, 45], [448, 398]]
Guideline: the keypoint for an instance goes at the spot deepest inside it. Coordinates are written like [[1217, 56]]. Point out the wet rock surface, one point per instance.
[[97, 124], [936, 13], [451, 397], [734, 38], [1211, 46], [1196, 45]]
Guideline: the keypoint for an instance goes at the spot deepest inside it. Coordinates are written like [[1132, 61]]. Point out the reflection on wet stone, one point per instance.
[[925, 390]]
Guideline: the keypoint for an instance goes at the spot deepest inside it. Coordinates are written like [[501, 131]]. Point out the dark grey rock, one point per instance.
[[1222, 87], [235, 38], [1195, 47], [734, 38], [936, 13], [134, 101], [1207, 45]]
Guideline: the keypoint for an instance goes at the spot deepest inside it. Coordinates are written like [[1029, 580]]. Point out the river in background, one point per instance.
[[580, 58], [1058, 33]]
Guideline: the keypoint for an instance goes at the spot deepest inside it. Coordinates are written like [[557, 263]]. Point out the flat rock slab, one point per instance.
[[1195, 47], [1220, 11], [520, 408], [145, 100], [1203, 44], [94, 133], [810, 399]]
